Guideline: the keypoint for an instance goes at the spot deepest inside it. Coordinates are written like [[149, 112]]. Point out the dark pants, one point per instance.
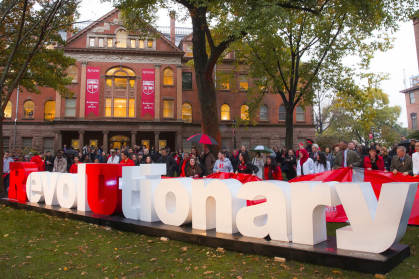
[[6, 182]]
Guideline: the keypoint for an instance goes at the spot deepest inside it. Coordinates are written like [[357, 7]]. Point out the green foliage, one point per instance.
[[413, 135], [354, 116], [327, 141]]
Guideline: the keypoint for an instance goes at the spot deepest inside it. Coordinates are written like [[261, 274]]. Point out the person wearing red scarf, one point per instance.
[[183, 164], [39, 161], [305, 165], [271, 169], [74, 167]]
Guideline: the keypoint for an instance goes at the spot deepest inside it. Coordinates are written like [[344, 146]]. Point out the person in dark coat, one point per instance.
[[402, 163], [234, 159], [393, 152], [169, 161], [99, 157], [364, 153], [49, 162], [386, 158], [289, 164], [245, 166]]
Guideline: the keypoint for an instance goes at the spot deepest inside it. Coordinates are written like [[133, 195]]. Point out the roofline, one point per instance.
[[130, 51], [408, 90]]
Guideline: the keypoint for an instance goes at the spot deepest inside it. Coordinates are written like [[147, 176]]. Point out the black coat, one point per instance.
[[387, 162], [170, 164], [234, 161], [250, 168], [51, 160], [288, 166]]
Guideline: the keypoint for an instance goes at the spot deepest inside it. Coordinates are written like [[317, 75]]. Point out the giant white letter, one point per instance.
[[34, 190], [308, 206], [49, 185], [277, 208], [67, 190], [82, 204], [214, 204], [374, 227]]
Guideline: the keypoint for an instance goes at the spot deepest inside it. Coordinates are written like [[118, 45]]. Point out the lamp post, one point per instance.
[[372, 130], [234, 131]]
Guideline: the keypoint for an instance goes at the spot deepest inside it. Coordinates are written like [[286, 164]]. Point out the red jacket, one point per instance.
[[39, 162], [128, 162], [379, 161], [276, 175], [73, 168]]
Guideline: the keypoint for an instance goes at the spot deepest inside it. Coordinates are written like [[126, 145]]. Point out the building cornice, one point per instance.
[[411, 89]]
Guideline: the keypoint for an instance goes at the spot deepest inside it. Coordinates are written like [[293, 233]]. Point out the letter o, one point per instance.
[[67, 190]]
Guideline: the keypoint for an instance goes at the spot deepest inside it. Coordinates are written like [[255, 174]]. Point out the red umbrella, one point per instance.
[[201, 138]]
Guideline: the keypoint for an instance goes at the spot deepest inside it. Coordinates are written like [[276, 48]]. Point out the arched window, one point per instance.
[[121, 38], [120, 92], [187, 113], [300, 114], [8, 110], [282, 113], [49, 111], [72, 72], [225, 112], [28, 108], [168, 76], [244, 112], [264, 112]]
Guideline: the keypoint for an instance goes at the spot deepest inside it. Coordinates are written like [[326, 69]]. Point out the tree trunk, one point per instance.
[[289, 127], [1, 148], [205, 83]]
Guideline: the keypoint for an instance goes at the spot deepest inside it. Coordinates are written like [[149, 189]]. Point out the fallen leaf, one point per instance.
[[6, 235], [153, 259]]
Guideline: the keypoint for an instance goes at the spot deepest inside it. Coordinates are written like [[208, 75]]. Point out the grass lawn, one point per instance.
[[37, 245]]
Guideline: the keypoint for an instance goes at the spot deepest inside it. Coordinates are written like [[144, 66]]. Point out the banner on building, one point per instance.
[[147, 92], [92, 90]]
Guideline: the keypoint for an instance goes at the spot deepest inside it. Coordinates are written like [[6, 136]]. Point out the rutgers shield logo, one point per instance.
[[92, 85], [148, 87]]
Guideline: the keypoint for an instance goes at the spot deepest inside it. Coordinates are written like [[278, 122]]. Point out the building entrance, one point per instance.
[[119, 142]]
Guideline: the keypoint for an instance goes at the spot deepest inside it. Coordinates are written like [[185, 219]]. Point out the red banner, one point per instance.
[[147, 92], [92, 90]]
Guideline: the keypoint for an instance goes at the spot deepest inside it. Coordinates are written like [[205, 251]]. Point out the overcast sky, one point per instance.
[[402, 56]]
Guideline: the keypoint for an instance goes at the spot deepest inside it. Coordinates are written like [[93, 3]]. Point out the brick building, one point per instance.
[[48, 121]]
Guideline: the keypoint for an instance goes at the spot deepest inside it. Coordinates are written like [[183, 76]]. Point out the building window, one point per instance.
[[244, 84], [281, 142], [121, 39], [8, 110], [132, 43], [187, 113], [168, 76], [225, 112], [120, 92], [26, 143], [264, 112], [49, 144], [282, 113], [246, 142], [186, 145], [6, 144], [101, 43], [146, 143], [110, 42], [189, 49], [28, 108], [223, 80], [92, 42], [49, 111], [225, 142], [414, 121], [149, 43], [72, 72], [162, 144], [70, 107], [300, 114], [244, 112], [141, 44], [412, 97], [168, 108], [187, 81], [265, 142]]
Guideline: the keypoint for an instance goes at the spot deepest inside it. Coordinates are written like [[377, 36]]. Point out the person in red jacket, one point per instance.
[[272, 171], [183, 164], [73, 168], [125, 159], [373, 162], [39, 161]]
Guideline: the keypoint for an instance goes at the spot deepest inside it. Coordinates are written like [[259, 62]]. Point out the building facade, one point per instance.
[[49, 120]]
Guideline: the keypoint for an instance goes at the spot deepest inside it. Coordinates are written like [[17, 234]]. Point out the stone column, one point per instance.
[[60, 140], [83, 90], [105, 141], [57, 106], [179, 140], [179, 100], [133, 139], [81, 141], [56, 144], [157, 92], [156, 140]]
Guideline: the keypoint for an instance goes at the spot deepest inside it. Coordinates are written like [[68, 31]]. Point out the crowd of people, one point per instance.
[[308, 159]]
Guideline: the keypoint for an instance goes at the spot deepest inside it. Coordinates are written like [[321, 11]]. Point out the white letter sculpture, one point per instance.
[[173, 201], [308, 207], [277, 208], [34, 190], [214, 204], [374, 227], [82, 204], [67, 190]]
